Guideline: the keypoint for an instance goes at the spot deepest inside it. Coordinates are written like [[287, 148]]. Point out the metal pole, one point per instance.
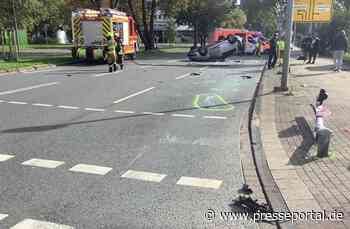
[[284, 80]]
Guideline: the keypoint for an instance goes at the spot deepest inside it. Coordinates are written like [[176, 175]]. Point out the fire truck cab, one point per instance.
[[90, 29]]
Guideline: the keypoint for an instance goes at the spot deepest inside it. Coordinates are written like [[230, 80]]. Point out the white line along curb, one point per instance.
[[183, 115]]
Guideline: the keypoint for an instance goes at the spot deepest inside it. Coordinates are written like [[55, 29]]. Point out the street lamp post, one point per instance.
[[284, 80], [15, 30]]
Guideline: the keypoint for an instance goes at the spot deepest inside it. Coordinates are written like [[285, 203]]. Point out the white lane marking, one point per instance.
[[182, 76], [152, 113], [133, 95], [199, 182], [68, 107], [171, 61], [126, 112], [5, 157], [148, 66], [42, 105], [39, 71], [36, 224], [49, 164], [146, 176], [106, 74], [94, 109], [202, 69], [183, 115], [28, 88], [215, 117], [92, 169], [16, 102], [2, 101], [3, 216]]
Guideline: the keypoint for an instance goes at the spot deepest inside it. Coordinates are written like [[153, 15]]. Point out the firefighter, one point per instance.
[[111, 56], [119, 51]]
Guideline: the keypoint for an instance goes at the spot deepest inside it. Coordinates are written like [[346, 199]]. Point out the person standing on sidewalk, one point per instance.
[[111, 55], [314, 49], [273, 51], [340, 46]]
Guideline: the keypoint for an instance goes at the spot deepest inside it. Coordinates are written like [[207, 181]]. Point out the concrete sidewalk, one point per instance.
[[287, 121]]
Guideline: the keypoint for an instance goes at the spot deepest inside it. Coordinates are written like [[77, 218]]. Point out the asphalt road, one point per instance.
[[154, 146]]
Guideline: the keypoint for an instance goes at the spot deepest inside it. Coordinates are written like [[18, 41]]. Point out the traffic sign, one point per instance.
[[312, 11]]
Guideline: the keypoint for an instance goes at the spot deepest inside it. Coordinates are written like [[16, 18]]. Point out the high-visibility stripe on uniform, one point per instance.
[[106, 26]]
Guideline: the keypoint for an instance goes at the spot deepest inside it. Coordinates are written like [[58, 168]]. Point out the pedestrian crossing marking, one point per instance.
[[92, 169], [5, 157], [36, 224], [146, 176], [3, 216], [199, 182], [36, 162]]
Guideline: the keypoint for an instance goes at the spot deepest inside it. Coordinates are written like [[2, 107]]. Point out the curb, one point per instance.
[[35, 68], [269, 187]]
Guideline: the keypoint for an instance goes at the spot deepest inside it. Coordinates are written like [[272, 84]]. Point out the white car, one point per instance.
[[219, 50]]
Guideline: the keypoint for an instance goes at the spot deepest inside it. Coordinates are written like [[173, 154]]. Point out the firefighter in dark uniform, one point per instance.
[[119, 51], [110, 54]]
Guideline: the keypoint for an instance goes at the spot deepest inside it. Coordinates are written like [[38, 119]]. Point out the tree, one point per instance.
[[261, 15], [236, 18], [203, 16]]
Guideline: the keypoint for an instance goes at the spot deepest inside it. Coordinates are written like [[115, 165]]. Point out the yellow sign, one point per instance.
[[312, 10]]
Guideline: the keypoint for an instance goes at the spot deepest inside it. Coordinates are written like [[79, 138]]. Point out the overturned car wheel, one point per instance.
[[203, 51]]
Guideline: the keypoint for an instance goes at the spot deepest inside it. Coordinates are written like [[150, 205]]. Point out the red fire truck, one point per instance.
[[90, 29]]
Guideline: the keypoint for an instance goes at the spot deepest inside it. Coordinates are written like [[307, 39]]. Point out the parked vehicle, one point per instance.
[[90, 29]]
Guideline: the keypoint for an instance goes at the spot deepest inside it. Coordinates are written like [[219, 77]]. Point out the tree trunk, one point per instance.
[[137, 22], [195, 34], [148, 44], [151, 23]]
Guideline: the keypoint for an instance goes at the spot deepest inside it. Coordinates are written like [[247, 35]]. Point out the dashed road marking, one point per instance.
[[68, 107], [204, 68], [49, 164], [171, 61], [5, 157], [2, 101], [133, 95], [182, 76], [36, 224], [146, 176], [215, 117], [94, 109], [125, 112], [42, 105], [92, 169], [28, 88], [153, 113], [199, 182], [183, 115], [3, 216], [16, 102], [107, 73]]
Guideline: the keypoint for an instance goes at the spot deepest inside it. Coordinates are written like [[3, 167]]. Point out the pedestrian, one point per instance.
[[110, 54], [314, 49], [119, 51], [340, 46], [273, 51], [306, 46]]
